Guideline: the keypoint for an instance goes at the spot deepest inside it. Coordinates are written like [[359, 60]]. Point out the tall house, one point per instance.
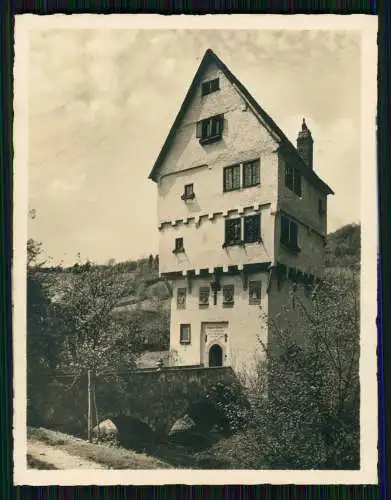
[[242, 221]]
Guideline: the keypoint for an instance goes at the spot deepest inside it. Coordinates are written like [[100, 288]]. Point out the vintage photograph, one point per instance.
[[196, 201]]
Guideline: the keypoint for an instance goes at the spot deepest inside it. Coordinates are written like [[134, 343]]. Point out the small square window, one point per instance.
[[179, 245], [251, 174], [203, 298], [254, 291], [228, 294], [185, 334], [181, 298], [210, 86], [189, 189], [188, 193]]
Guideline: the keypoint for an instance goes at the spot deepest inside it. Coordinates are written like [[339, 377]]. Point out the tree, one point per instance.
[[95, 337], [310, 417]]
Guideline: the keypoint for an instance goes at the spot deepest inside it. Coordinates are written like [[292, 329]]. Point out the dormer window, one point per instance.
[[321, 208], [210, 86], [211, 129], [188, 193], [178, 246]]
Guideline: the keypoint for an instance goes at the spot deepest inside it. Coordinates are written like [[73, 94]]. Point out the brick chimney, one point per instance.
[[305, 144]]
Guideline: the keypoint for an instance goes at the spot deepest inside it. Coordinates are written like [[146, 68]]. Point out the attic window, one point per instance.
[[210, 129], [188, 193], [210, 86]]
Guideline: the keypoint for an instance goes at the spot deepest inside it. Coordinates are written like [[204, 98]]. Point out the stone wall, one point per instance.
[[158, 397]]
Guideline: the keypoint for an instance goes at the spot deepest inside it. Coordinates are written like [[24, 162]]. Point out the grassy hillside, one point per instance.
[[343, 247], [146, 298]]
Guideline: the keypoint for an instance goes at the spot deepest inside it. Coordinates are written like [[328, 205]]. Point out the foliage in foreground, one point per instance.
[[310, 417]]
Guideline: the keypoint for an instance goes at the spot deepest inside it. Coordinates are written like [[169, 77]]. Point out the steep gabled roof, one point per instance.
[[285, 144]]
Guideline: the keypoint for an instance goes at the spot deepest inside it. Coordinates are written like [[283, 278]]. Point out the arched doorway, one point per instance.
[[215, 356]]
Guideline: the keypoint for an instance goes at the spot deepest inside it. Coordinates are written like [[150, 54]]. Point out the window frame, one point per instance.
[[177, 248], [252, 163], [232, 169], [236, 241], [181, 291], [224, 290], [251, 301], [209, 86], [246, 220], [293, 180], [292, 228], [188, 195], [203, 289], [182, 328], [216, 125]]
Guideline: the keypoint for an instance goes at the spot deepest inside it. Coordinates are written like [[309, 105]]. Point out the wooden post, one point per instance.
[[89, 416]]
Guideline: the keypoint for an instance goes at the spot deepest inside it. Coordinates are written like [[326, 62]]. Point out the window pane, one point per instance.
[[236, 177], [297, 183], [215, 84], [181, 298], [251, 174], [289, 177], [232, 231], [228, 294], [204, 296], [256, 179], [254, 292], [178, 243], [185, 334], [284, 230], [252, 228], [188, 189], [246, 175], [228, 178], [293, 234]]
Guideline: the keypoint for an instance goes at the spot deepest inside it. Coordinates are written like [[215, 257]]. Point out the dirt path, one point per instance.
[[58, 459]]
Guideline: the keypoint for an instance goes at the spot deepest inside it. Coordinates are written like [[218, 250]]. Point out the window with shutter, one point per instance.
[[210, 129]]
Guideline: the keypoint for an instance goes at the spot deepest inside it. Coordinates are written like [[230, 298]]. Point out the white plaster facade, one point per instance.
[[200, 222]]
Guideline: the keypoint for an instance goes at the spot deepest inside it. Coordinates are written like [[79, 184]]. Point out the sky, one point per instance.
[[101, 103]]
